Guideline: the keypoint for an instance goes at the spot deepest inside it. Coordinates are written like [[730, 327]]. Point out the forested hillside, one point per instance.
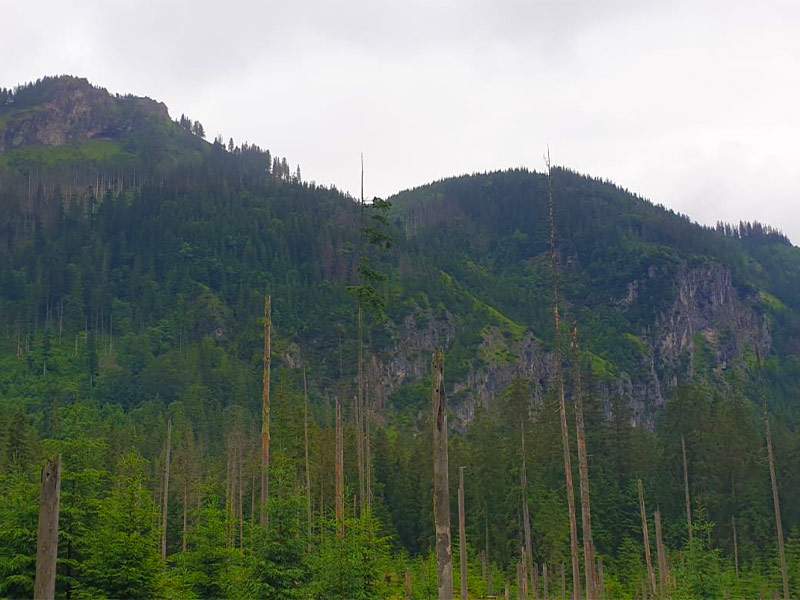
[[135, 261]]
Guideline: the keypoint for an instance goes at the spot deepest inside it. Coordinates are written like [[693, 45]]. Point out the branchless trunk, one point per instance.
[[359, 412], [165, 495], [47, 538], [661, 553], [583, 469], [305, 441], [573, 524], [651, 576], [776, 503], [735, 546], [264, 512], [489, 578], [462, 534], [526, 519], [441, 485], [601, 580], [367, 446], [339, 470], [686, 489], [185, 512], [545, 588]]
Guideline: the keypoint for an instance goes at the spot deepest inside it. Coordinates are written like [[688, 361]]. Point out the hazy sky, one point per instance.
[[694, 105]]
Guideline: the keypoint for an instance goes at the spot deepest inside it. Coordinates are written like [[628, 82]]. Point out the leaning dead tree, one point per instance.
[[462, 534], [264, 513], [44, 587], [583, 470], [686, 489], [165, 495], [441, 485], [573, 524], [651, 576], [776, 503]]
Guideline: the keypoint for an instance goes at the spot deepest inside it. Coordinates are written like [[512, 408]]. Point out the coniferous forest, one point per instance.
[[221, 380]]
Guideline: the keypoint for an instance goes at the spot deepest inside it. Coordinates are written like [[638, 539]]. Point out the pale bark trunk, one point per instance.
[[307, 463], [583, 469], [462, 534], [686, 489], [339, 470], [47, 537], [661, 553], [265, 408], [776, 503], [651, 576], [526, 520], [441, 487], [165, 495], [573, 524], [735, 546]]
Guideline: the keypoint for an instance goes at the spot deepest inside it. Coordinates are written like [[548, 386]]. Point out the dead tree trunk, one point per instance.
[[264, 511], [359, 414], [526, 519], [47, 538], [776, 505], [462, 534], [489, 578], [185, 511], [661, 554], [735, 546], [686, 489], [305, 440], [367, 447], [165, 495], [441, 486], [651, 576], [583, 469], [339, 470], [573, 524]]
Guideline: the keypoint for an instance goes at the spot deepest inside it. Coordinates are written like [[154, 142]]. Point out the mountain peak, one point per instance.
[[65, 109]]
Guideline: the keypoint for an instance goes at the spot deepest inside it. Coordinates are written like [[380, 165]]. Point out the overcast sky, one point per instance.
[[694, 105]]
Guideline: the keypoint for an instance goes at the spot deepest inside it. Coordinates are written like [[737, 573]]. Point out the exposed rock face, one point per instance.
[[707, 311], [73, 111]]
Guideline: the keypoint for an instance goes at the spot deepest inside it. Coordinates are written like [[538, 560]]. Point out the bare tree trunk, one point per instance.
[[240, 506], [573, 524], [735, 547], [441, 486], [47, 537], [651, 576], [522, 575], [583, 469], [265, 407], [165, 495], [661, 553], [305, 439], [776, 505], [526, 519], [408, 586], [367, 447], [544, 581], [601, 580], [339, 470], [686, 489], [462, 534], [489, 578], [359, 417], [185, 510]]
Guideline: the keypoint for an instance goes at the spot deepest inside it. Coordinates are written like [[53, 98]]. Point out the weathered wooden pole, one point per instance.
[[661, 554], [462, 534], [583, 470], [573, 524], [44, 587], [307, 462], [776, 503], [339, 470], [441, 486], [165, 495], [265, 408], [686, 489], [651, 576]]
